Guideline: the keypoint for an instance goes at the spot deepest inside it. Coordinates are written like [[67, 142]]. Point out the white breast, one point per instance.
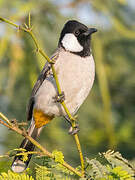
[[76, 76]]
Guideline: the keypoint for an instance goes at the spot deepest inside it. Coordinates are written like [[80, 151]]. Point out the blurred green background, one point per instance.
[[107, 118]]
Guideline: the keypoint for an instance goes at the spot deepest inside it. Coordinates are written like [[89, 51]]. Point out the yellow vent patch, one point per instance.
[[40, 118]]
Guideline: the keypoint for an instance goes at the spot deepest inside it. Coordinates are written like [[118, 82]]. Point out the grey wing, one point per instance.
[[37, 85]]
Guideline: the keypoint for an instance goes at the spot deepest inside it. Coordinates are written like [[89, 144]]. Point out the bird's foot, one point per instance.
[[74, 130], [74, 118], [53, 60], [60, 97]]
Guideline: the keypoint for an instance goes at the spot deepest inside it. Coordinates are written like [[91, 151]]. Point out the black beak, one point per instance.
[[90, 31]]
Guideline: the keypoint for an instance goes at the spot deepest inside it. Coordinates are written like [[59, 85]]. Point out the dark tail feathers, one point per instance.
[[18, 165]]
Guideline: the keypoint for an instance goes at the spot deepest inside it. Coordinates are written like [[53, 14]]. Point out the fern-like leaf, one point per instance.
[[115, 167], [43, 172], [98, 170], [58, 156], [14, 176], [54, 171], [119, 173], [116, 159]]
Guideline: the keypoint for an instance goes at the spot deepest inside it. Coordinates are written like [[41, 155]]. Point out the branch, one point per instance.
[[28, 29], [45, 152]]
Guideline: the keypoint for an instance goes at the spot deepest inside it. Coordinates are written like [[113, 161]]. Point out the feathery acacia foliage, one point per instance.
[[14, 176], [107, 166]]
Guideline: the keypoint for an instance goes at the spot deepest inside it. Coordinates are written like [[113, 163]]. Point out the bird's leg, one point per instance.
[[60, 97], [72, 130]]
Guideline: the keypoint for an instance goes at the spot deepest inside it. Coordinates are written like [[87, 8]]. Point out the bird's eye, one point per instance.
[[77, 32]]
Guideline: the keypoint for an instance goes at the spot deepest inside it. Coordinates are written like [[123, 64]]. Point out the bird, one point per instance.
[[75, 68]]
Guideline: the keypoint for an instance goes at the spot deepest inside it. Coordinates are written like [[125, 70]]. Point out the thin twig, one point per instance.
[[80, 153], [1, 122], [29, 31], [5, 119], [28, 152], [4, 156], [29, 21]]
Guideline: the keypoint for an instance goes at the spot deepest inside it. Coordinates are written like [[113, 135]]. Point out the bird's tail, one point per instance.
[[18, 164]]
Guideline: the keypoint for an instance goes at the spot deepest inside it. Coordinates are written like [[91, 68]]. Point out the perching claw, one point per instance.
[[60, 97], [74, 130]]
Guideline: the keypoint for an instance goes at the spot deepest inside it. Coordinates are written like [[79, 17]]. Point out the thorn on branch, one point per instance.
[[31, 28], [26, 26], [22, 124], [24, 132], [37, 50], [14, 122]]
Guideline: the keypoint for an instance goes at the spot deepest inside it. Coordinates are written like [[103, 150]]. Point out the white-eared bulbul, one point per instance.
[[75, 69]]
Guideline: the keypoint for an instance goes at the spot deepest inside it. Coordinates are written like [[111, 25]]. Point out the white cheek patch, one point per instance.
[[70, 43]]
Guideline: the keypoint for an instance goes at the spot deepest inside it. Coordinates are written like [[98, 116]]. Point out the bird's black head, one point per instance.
[[75, 37]]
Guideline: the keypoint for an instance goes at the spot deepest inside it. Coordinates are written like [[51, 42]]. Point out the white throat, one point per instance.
[[70, 43]]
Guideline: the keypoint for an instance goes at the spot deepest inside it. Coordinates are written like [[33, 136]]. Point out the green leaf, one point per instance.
[[58, 156], [116, 159], [14, 176], [98, 170], [43, 172], [115, 168], [119, 173]]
